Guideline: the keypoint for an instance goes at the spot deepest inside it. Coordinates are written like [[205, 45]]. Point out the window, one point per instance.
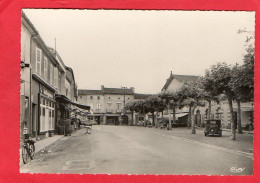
[[118, 106], [55, 77], [45, 67], [43, 111], [51, 74], [91, 97], [80, 97], [98, 105], [38, 60], [47, 115], [98, 97], [59, 81]]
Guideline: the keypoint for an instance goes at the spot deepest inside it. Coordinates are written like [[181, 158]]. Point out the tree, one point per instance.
[[219, 76], [171, 99], [131, 106], [151, 104], [209, 94], [242, 82], [192, 95]]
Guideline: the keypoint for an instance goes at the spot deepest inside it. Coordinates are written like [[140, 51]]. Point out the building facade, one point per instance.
[[107, 104], [218, 110], [41, 82]]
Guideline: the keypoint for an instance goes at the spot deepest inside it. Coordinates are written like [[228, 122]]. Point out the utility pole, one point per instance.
[[124, 92]]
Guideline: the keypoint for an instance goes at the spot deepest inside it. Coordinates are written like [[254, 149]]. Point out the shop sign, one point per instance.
[[45, 91]]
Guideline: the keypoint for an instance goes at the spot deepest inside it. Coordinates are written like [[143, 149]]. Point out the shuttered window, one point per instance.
[[55, 77], [51, 74], [45, 68], [38, 60]]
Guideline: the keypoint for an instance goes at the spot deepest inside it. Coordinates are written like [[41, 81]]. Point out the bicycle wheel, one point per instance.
[[25, 155], [32, 150]]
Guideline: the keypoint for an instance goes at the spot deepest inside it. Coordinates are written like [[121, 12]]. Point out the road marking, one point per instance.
[[79, 164], [246, 154]]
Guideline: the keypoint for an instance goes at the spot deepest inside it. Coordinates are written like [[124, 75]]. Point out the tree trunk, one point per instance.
[[189, 118], [209, 110], [170, 124], [132, 118], [233, 129], [193, 129], [156, 119], [153, 118], [162, 117], [173, 115], [239, 125]]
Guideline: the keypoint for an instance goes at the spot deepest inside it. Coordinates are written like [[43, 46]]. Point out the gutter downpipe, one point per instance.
[[30, 105]]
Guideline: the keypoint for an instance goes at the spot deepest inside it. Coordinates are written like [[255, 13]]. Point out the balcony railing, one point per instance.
[[114, 110]]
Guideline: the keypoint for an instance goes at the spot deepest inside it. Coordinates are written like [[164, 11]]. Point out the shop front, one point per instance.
[[68, 114], [46, 125]]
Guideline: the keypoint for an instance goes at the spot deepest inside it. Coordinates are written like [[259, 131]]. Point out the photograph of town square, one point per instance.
[[137, 92]]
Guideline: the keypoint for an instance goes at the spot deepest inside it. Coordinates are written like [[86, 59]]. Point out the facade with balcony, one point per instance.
[[107, 104]]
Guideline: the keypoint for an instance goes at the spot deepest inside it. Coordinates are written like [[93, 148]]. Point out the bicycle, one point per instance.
[[28, 150]]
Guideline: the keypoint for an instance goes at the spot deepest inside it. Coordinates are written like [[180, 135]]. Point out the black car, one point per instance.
[[213, 127]]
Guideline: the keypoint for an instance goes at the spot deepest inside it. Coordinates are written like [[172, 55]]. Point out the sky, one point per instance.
[[139, 48]]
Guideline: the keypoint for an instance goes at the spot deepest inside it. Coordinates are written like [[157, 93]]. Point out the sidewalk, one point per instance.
[[41, 144], [243, 142], [244, 131]]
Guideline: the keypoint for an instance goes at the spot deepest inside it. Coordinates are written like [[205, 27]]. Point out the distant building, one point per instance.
[[108, 104], [220, 111], [175, 82]]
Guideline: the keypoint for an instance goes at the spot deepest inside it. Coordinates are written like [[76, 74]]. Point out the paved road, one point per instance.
[[136, 150]]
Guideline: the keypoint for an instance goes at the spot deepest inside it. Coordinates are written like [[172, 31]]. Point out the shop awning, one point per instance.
[[64, 99], [180, 115]]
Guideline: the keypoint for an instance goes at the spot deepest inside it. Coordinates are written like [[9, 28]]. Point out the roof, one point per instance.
[[181, 78], [38, 37], [90, 92], [118, 91], [141, 96]]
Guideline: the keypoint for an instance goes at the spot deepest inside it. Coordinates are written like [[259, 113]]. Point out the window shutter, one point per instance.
[[38, 60]]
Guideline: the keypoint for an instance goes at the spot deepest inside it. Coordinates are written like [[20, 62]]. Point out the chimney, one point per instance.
[[102, 87], [171, 73]]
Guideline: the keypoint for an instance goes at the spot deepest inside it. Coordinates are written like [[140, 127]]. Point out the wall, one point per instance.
[[70, 80], [174, 85], [86, 100], [114, 99]]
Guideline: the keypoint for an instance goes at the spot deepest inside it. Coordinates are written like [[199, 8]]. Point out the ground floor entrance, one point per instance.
[[112, 120]]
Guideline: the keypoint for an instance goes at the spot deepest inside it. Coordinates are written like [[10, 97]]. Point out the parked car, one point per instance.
[[213, 127]]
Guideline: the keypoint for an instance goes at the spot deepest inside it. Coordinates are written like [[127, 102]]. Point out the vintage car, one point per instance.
[[213, 127]]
